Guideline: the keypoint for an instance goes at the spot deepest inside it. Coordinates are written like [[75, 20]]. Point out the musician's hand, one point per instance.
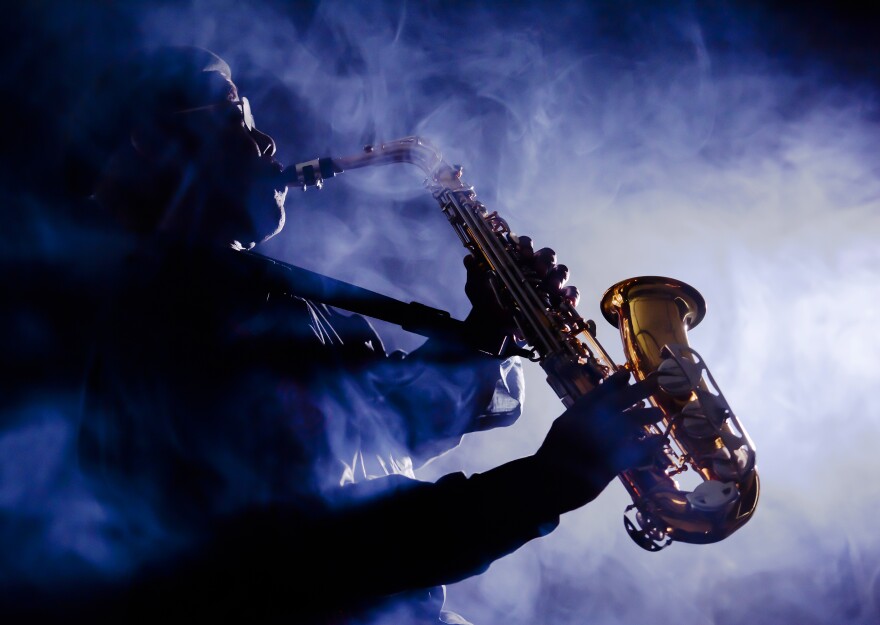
[[545, 274], [594, 440], [489, 318]]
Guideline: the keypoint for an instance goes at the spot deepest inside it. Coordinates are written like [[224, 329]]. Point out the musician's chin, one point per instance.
[[280, 196], [267, 202]]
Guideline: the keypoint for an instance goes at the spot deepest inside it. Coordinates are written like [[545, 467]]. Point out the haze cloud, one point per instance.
[[671, 144]]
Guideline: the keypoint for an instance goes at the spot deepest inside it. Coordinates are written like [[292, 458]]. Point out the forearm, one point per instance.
[[291, 558], [424, 534]]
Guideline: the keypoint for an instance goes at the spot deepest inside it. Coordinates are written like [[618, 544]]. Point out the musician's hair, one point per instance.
[[133, 91]]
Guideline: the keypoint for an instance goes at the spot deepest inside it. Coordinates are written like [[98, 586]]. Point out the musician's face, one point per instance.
[[235, 172]]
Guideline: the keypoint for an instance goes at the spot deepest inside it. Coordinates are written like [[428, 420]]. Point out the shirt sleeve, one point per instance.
[[435, 394], [376, 539]]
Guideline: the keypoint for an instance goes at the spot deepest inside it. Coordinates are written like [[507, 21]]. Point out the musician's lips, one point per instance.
[[276, 173]]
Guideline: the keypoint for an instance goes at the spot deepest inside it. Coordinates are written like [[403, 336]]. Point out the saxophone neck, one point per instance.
[[415, 150]]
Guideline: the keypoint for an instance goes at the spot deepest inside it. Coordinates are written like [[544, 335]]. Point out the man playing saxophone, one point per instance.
[[257, 448]]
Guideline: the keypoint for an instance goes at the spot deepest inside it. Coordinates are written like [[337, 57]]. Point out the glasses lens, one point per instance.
[[246, 114]]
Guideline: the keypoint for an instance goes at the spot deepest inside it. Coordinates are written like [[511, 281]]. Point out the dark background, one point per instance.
[[327, 77]]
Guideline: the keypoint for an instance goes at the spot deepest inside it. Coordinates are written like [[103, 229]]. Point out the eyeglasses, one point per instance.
[[240, 111]]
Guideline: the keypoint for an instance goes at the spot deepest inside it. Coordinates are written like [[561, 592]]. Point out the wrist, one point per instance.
[[522, 489]]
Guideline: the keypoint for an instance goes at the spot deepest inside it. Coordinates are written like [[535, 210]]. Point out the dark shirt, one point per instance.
[[232, 433]]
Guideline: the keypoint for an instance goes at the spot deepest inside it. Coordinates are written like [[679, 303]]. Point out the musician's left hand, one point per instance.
[[489, 323], [489, 319]]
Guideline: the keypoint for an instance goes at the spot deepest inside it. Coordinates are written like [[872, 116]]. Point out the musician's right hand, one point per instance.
[[601, 435]]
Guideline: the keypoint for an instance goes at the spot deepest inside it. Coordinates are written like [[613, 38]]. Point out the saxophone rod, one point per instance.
[[414, 317], [313, 173]]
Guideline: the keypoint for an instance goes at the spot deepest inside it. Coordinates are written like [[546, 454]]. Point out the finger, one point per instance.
[[600, 399], [615, 428], [613, 386], [526, 248], [477, 280], [614, 395], [637, 454], [625, 396], [618, 379], [572, 294], [640, 417], [556, 279], [471, 264], [545, 259]]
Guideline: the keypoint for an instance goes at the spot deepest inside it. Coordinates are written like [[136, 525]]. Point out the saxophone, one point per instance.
[[653, 314]]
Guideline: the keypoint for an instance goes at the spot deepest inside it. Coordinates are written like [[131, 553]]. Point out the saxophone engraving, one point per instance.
[[653, 315]]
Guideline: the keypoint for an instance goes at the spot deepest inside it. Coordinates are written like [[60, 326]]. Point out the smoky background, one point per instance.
[[724, 144]]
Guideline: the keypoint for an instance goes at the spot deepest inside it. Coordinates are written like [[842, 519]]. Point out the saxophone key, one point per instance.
[[544, 261]]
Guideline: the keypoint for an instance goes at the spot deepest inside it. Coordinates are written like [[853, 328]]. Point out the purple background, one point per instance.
[[730, 145]]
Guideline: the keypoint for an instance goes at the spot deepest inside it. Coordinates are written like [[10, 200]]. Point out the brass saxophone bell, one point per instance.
[[653, 315], [650, 312]]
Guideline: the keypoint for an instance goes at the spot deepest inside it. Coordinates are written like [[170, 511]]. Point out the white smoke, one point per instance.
[[649, 152]]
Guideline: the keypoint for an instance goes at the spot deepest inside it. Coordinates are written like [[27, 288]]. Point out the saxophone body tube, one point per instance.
[[653, 315]]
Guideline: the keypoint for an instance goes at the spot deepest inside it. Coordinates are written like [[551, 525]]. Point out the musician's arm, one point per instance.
[[375, 539]]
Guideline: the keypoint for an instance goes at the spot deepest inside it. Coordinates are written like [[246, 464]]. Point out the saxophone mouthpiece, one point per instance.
[[310, 174]]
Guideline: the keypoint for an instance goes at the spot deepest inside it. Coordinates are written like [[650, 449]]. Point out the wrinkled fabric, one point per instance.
[[210, 396]]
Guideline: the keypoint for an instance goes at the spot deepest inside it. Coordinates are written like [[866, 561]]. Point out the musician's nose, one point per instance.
[[264, 142]]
